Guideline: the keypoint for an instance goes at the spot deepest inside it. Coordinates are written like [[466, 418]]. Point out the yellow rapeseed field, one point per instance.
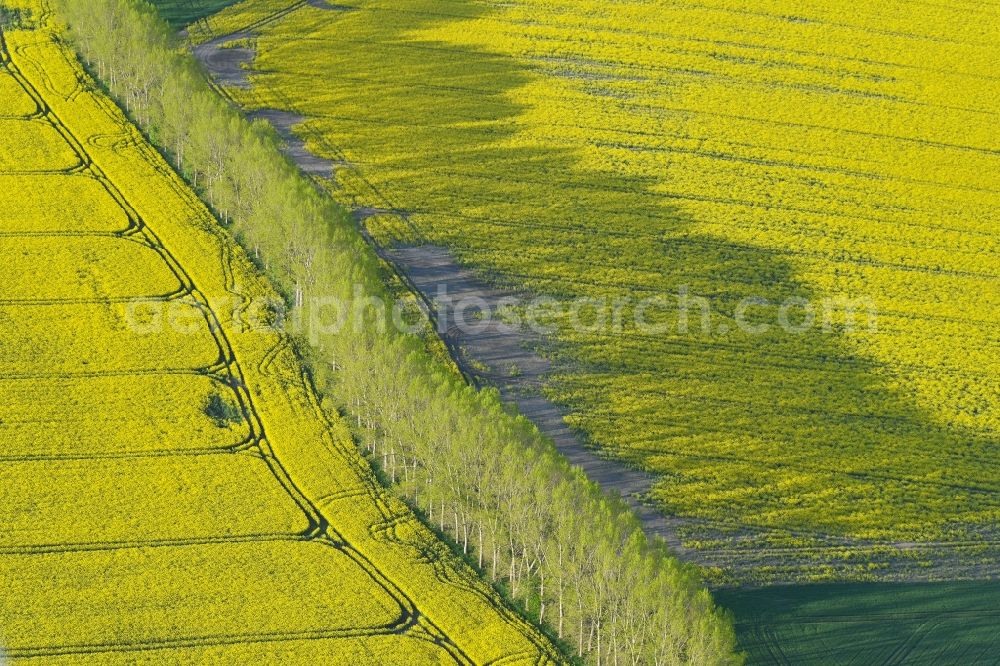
[[771, 153], [170, 488]]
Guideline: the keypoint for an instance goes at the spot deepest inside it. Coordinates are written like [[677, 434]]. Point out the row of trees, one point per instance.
[[575, 557]]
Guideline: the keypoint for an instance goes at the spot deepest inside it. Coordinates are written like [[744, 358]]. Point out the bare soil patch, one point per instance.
[[227, 65], [295, 147]]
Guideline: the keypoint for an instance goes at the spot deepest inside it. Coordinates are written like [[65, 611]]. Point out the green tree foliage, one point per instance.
[[222, 410], [576, 558], [13, 19]]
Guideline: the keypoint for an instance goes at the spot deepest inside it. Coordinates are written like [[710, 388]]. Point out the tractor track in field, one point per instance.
[[408, 619], [433, 553], [145, 544], [229, 62], [58, 234], [139, 228], [719, 155], [713, 155], [239, 447], [230, 373], [95, 300], [962, 487], [384, 529], [763, 630]]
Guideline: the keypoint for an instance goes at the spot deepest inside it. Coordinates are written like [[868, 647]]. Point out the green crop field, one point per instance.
[[889, 623], [810, 159]]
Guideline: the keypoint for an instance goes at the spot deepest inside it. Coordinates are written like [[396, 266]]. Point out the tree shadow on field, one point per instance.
[[784, 430]]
